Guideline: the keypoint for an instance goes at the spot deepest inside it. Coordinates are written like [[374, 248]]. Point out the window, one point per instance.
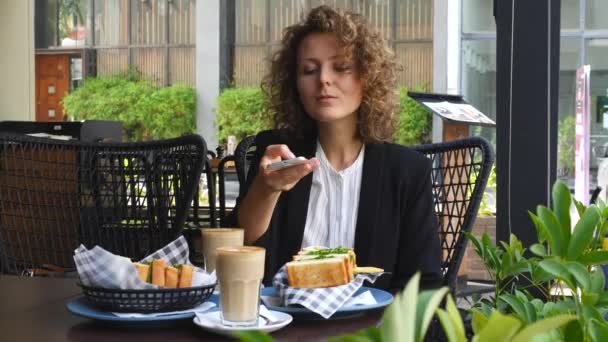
[[406, 24]]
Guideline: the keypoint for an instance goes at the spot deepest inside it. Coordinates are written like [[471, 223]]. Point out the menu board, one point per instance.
[[461, 112]]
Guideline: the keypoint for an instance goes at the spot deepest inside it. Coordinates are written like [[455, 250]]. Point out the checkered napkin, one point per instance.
[[100, 268], [323, 301]]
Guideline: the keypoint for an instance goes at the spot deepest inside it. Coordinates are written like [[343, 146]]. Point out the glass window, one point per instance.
[[570, 17], [479, 80], [111, 18], [595, 14], [595, 55], [148, 22], [72, 19], [478, 16], [569, 61]]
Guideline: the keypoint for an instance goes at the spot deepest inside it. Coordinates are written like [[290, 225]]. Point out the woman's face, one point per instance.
[[329, 86]]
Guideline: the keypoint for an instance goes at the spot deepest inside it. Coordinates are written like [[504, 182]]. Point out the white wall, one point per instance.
[[17, 68], [207, 68]]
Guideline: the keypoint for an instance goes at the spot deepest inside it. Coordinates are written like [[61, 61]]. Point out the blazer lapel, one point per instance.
[[369, 200], [297, 200]]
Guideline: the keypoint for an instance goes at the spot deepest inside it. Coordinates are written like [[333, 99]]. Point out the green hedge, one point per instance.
[[145, 111], [415, 121], [242, 112]]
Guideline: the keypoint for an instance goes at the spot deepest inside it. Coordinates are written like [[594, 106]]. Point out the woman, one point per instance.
[[331, 87]]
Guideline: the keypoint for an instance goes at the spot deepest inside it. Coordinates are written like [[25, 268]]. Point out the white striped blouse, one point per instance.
[[333, 204]]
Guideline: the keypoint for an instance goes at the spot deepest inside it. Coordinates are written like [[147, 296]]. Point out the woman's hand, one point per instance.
[[284, 179]]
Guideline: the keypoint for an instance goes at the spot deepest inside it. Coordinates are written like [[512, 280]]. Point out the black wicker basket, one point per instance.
[[147, 301]]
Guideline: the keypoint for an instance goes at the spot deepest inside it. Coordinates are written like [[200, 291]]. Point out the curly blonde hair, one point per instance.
[[375, 61]]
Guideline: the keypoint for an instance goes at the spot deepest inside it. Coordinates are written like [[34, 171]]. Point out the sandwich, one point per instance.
[[158, 273], [326, 271], [346, 254], [318, 267], [171, 277], [143, 271]]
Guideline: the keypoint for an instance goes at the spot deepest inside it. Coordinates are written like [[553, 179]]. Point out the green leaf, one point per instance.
[[541, 230], [590, 312], [590, 298], [558, 241], [428, 302], [542, 327], [561, 207], [573, 331], [448, 326], [457, 323], [479, 321], [594, 258], [516, 268], [477, 243], [538, 249], [580, 273], [399, 320], [372, 333], [558, 270], [253, 336], [603, 298], [583, 233], [598, 330], [598, 280], [516, 305], [451, 322], [366, 335], [530, 312], [499, 328], [580, 207]]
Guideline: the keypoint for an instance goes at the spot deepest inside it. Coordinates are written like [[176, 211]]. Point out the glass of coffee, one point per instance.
[[240, 271], [212, 238]]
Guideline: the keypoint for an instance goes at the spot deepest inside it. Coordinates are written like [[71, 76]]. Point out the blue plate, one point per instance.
[[383, 299], [80, 307]]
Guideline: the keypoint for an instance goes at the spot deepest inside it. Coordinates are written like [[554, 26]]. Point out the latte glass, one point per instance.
[[240, 271], [212, 238]]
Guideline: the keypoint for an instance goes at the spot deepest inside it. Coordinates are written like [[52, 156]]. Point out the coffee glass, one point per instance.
[[240, 271], [212, 238]]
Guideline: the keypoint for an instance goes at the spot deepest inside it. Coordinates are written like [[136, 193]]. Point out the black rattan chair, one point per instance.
[[460, 172], [129, 198], [243, 155], [459, 175]]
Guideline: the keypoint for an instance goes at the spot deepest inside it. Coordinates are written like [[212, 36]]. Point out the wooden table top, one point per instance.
[[33, 309]]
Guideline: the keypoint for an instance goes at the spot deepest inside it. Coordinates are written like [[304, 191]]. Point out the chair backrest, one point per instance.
[[243, 154], [129, 198], [459, 175]]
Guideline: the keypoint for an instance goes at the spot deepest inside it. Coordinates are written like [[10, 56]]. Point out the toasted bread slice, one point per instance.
[[171, 277], [142, 271], [313, 252], [368, 269], [185, 276], [158, 272], [317, 273]]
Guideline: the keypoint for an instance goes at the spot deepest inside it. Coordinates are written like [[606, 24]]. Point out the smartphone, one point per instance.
[[286, 163]]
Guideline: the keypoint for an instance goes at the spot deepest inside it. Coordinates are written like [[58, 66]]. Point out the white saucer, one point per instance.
[[211, 321]]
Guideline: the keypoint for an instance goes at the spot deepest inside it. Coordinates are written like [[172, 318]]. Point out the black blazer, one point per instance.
[[396, 225]]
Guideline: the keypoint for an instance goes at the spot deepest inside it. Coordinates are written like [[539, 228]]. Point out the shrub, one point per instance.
[[415, 121], [565, 147], [145, 112], [242, 112]]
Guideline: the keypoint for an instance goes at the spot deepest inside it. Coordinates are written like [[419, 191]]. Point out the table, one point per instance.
[[33, 309]]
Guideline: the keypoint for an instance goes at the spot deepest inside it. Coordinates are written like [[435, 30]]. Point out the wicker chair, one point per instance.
[[129, 198], [460, 172], [459, 175]]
